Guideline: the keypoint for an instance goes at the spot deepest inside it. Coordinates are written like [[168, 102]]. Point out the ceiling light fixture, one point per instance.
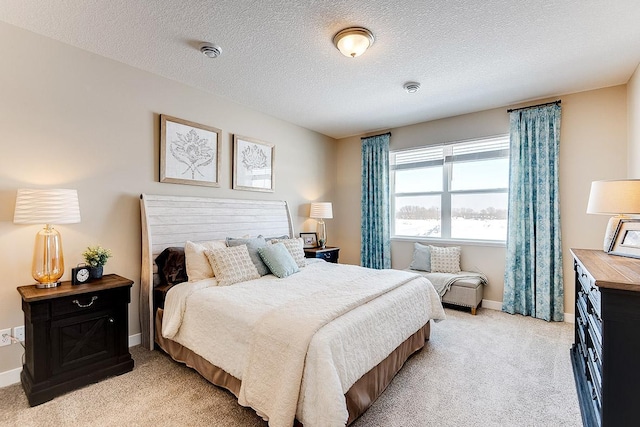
[[211, 50], [353, 41], [411, 87]]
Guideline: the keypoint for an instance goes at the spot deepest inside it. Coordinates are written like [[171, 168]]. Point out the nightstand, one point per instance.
[[74, 335], [329, 253]]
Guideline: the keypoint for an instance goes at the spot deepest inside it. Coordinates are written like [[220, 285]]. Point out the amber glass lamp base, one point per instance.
[[48, 262]]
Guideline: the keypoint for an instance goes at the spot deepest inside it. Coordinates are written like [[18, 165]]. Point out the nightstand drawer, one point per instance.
[[83, 303]]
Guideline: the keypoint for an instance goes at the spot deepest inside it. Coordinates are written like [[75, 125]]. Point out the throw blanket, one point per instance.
[[272, 378], [443, 281]]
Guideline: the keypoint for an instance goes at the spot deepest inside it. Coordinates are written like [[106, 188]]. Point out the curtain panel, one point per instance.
[[533, 282], [375, 250]]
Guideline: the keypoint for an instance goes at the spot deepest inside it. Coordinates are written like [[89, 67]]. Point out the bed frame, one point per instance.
[[172, 220]]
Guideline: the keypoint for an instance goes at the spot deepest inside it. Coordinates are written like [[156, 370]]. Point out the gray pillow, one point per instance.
[[279, 260], [252, 245], [421, 258]]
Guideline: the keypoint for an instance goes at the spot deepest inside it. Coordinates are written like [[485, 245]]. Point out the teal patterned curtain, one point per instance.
[[533, 272], [375, 250]]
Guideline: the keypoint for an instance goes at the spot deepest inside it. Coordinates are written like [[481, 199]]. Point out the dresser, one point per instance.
[[606, 351], [329, 253], [74, 335]]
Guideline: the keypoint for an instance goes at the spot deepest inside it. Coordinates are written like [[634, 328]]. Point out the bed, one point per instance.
[[360, 328]]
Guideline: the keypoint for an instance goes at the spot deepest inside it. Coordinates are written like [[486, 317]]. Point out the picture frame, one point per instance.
[[310, 240], [626, 240], [189, 152], [253, 164]]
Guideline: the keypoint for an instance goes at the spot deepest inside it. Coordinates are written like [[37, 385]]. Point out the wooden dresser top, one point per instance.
[[610, 271]]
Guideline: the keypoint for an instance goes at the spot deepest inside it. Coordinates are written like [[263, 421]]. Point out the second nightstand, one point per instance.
[[329, 253]]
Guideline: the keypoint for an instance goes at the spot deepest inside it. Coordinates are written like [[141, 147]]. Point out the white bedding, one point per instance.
[[217, 323]]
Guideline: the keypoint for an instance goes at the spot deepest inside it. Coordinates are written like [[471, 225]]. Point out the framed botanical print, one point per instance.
[[252, 164], [189, 152]]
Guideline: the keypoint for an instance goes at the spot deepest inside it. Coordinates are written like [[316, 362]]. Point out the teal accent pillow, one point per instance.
[[252, 245], [279, 260], [421, 258]]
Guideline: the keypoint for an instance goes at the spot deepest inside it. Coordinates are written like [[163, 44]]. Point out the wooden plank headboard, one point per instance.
[[172, 220]]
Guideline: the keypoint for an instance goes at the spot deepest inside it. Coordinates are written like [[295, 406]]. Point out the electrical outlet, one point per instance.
[[18, 333], [5, 337]]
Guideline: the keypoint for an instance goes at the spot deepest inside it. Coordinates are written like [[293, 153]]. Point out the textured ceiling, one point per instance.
[[278, 55]]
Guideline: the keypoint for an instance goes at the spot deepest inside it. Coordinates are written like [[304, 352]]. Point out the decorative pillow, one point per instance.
[[421, 258], [232, 265], [252, 246], [198, 267], [172, 266], [295, 248], [279, 260], [445, 260]]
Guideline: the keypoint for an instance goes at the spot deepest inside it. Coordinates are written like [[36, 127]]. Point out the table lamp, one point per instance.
[[52, 206], [615, 197], [321, 211]]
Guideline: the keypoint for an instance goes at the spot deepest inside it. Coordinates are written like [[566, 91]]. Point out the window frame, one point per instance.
[[447, 162]]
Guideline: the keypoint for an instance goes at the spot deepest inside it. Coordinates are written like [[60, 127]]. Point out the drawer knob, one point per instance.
[[93, 298]]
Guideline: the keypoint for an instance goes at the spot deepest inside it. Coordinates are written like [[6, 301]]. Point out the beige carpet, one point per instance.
[[492, 369]]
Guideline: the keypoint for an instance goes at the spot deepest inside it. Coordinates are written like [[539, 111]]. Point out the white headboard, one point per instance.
[[172, 220]]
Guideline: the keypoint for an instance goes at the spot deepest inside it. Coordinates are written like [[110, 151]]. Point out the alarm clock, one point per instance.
[[80, 275]]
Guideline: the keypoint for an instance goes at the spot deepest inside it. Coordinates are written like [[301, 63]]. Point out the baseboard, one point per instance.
[[497, 305], [13, 376], [10, 377], [492, 305], [135, 340]]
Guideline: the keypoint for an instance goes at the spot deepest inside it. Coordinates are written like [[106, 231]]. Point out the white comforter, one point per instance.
[[218, 323]]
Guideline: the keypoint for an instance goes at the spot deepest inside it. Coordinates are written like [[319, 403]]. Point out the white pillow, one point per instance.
[[198, 267], [445, 260], [232, 265], [295, 247]]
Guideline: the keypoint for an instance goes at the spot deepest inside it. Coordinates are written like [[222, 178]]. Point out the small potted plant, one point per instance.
[[96, 257]]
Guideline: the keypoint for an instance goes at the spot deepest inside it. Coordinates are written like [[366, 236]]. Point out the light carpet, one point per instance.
[[492, 369]]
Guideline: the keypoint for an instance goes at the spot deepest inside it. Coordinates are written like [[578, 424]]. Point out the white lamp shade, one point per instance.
[[321, 210], [51, 206], [614, 197]]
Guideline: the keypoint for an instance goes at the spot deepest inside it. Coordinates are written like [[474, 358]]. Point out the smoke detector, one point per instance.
[[411, 87], [211, 50]]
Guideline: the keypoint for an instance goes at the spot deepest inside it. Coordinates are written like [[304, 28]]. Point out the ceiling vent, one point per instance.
[[411, 87], [212, 51]]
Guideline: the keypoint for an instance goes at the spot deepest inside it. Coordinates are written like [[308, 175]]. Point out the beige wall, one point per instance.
[[633, 114], [71, 119], [593, 146]]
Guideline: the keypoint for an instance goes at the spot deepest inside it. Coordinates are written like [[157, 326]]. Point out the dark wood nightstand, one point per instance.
[[329, 253], [74, 335]]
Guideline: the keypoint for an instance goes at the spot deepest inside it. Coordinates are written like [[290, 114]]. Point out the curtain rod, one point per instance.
[[534, 106], [380, 134]]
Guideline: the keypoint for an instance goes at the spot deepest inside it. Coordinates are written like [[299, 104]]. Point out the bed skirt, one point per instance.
[[359, 397]]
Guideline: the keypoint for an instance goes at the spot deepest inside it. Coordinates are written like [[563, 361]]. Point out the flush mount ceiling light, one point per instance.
[[411, 87], [353, 41], [212, 51]]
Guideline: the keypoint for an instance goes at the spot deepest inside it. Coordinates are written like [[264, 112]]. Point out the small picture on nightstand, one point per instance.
[[310, 240]]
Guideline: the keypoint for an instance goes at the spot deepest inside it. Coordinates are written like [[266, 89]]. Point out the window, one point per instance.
[[451, 191]]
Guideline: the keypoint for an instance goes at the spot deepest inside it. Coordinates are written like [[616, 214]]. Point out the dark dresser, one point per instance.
[[606, 352], [74, 335]]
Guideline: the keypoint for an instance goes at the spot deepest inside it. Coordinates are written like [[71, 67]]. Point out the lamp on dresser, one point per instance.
[[615, 197], [48, 207], [321, 211]]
